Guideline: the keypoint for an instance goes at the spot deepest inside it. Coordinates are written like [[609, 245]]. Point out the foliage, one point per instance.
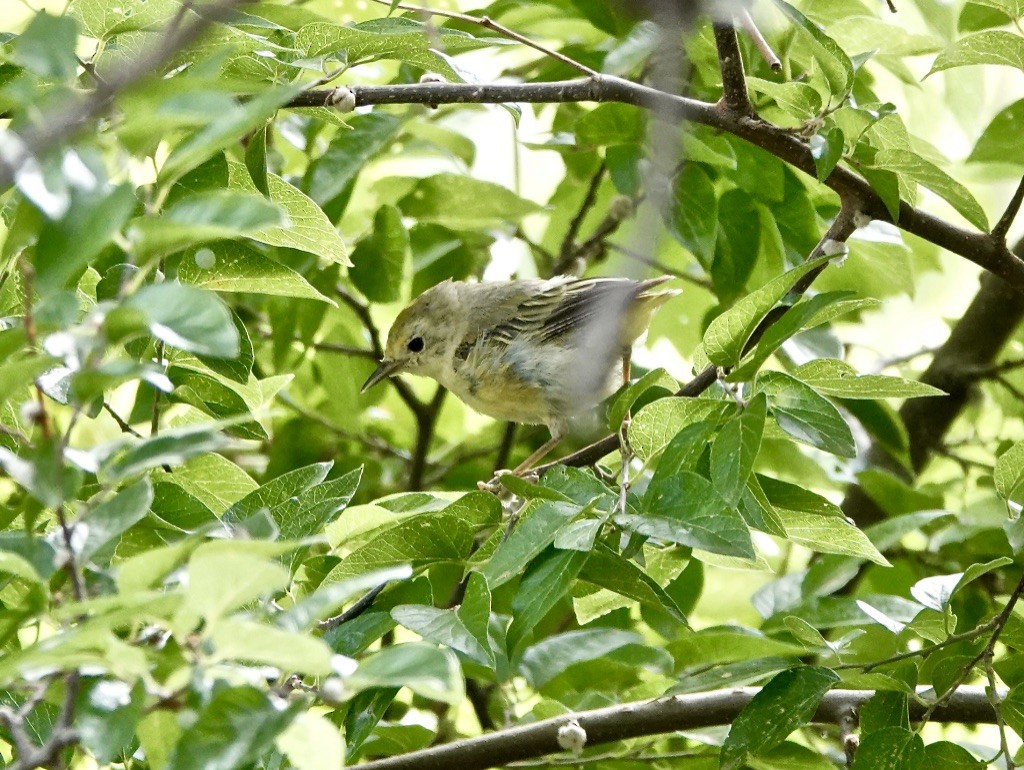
[[217, 553]]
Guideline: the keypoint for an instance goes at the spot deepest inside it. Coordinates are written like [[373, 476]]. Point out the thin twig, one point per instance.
[[566, 254], [762, 45], [425, 424], [1003, 225], [488, 23], [121, 423], [353, 612], [993, 696], [661, 267]]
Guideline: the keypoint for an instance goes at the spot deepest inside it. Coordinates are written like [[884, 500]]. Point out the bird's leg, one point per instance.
[[521, 470], [530, 461], [627, 359]]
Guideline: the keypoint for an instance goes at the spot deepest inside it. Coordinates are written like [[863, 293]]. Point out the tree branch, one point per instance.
[[762, 45], [655, 717], [980, 248], [730, 62], [973, 344]]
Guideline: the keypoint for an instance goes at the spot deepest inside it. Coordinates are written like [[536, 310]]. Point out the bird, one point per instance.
[[530, 351]]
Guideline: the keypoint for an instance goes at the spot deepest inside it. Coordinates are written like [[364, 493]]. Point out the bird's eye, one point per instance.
[[416, 344]]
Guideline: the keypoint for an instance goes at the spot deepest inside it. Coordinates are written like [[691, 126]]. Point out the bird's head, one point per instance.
[[419, 337]]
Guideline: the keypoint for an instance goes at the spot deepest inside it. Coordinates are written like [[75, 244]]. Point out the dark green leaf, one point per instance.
[[891, 748], [381, 263], [806, 415], [787, 702]]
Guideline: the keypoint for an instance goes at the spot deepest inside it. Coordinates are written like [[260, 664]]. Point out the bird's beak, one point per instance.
[[385, 370]]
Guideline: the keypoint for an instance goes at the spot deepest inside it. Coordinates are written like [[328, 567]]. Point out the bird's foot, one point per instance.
[[495, 487]]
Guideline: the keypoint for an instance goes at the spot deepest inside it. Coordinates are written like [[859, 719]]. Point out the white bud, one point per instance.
[[860, 219], [837, 249], [432, 77], [572, 737], [343, 99]]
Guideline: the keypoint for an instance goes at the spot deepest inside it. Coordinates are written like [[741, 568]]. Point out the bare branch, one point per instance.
[[567, 252], [655, 717], [980, 248]]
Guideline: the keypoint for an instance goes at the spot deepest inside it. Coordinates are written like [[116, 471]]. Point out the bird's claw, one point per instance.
[[494, 486]]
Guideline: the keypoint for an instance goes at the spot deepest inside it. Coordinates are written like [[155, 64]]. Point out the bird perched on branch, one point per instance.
[[530, 351]]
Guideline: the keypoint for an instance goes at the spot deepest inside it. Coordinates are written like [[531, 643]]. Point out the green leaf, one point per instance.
[[462, 201], [545, 581], [208, 597], [829, 534], [256, 160], [235, 728], [1012, 8], [827, 147], [611, 571], [47, 47], [951, 756], [168, 448], [787, 702], [538, 522], [67, 246], [307, 227], [727, 335], [443, 627], [204, 216], [312, 742], [782, 494], [1009, 472], [107, 715], [233, 266], [684, 508], [188, 318], [832, 377], [910, 165], [835, 64], [547, 659], [799, 100], [382, 262], [658, 423], [694, 212], [403, 39], [101, 19], [251, 642], [999, 141], [107, 521], [735, 448], [990, 47], [611, 124], [806, 415], [624, 401], [891, 748], [421, 667], [225, 129], [330, 175], [425, 538]]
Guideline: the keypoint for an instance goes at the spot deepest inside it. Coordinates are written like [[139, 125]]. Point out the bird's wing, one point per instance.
[[559, 307]]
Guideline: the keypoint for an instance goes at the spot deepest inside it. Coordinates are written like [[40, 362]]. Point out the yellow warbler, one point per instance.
[[531, 351]]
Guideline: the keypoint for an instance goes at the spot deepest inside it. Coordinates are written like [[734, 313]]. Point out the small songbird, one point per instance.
[[530, 351]]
